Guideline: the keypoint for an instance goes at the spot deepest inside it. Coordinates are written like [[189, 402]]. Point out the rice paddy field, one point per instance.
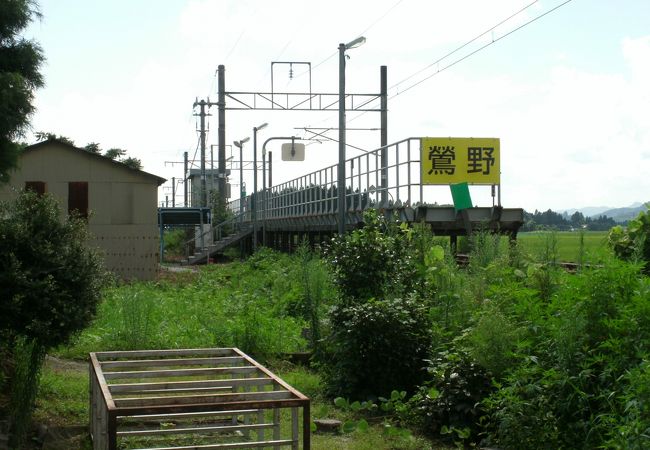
[[567, 245]]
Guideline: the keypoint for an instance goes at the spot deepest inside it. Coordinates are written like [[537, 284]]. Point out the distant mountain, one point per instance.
[[618, 214], [623, 214], [589, 211]]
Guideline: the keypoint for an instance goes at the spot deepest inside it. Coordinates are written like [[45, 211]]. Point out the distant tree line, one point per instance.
[[552, 220]]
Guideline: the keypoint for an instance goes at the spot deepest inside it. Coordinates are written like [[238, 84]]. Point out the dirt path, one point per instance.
[[59, 364]]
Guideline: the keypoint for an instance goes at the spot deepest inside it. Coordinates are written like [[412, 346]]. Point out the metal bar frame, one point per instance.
[[121, 397], [266, 101]]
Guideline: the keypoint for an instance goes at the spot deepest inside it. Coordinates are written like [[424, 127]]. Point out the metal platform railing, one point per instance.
[[388, 178], [369, 184]]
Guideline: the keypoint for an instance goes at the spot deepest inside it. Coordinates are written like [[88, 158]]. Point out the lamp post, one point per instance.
[[263, 196], [341, 168], [240, 145], [255, 130]]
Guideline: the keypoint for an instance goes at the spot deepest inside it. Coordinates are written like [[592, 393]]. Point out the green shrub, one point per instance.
[[50, 283], [380, 335], [451, 398], [574, 389], [372, 261], [377, 347], [493, 341], [631, 430], [485, 248], [450, 307], [521, 414], [50, 280], [633, 242], [317, 293], [175, 240]]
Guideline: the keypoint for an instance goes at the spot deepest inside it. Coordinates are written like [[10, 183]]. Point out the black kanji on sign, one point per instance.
[[480, 159], [442, 160]]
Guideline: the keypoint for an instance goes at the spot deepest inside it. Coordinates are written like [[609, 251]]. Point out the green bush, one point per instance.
[[633, 242], [51, 285], [372, 261], [493, 341], [521, 414], [317, 293], [50, 280], [380, 334], [377, 347], [574, 389], [631, 430], [485, 248], [175, 240], [450, 402], [445, 293]]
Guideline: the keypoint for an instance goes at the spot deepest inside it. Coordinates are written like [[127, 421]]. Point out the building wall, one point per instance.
[[122, 204], [129, 251]]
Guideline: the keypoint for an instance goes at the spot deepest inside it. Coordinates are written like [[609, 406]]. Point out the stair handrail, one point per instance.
[[217, 231]]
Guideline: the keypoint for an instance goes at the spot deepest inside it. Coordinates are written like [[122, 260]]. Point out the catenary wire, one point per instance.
[[369, 27], [467, 55], [481, 48], [457, 49]]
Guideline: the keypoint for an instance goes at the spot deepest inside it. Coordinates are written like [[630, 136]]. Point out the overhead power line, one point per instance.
[[381, 18], [457, 49], [483, 47], [375, 22], [479, 49]]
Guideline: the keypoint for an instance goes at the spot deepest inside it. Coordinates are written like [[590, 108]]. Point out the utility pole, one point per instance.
[[221, 102], [185, 179], [202, 104], [256, 203], [340, 185], [342, 200], [383, 89], [173, 192]]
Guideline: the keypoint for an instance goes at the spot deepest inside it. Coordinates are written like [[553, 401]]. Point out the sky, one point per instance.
[[566, 94]]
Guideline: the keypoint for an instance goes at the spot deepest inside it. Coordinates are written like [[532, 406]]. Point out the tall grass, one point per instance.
[[523, 352], [247, 305]]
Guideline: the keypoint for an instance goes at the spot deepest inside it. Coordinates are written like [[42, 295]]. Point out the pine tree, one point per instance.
[[20, 60]]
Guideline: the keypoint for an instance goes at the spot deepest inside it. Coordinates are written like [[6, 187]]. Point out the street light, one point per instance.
[[240, 145], [341, 172], [255, 130]]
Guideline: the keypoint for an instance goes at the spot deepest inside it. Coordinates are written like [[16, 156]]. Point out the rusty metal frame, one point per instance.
[[154, 390]]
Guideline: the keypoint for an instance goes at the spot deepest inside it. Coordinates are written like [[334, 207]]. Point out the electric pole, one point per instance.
[[173, 192], [202, 104], [221, 102], [185, 178]]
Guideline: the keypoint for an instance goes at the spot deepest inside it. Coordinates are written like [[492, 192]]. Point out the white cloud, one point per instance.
[[570, 136], [637, 55], [573, 138]]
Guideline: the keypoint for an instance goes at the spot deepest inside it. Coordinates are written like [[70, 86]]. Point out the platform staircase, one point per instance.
[[221, 236]]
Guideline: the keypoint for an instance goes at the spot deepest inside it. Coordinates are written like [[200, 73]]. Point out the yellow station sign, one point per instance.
[[457, 160]]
